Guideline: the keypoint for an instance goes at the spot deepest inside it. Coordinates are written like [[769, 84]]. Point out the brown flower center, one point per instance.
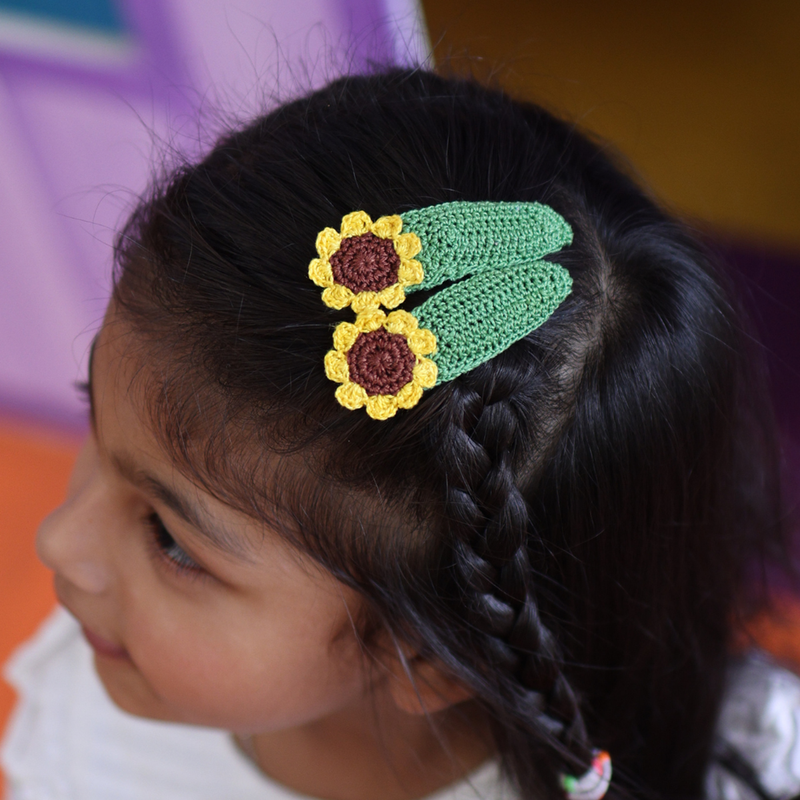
[[365, 263], [381, 362]]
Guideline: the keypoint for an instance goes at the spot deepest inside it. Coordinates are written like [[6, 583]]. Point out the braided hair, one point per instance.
[[567, 528]]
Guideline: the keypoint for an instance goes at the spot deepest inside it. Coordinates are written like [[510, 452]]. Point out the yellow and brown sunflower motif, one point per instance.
[[366, 264], [380, 362]]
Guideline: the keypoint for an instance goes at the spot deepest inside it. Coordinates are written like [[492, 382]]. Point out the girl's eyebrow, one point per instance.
[[189, 512]]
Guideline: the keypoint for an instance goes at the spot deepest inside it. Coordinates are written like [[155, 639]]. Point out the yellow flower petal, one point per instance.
[[319, 270], [337, 296], [328, 241], [351, 395], [356, 223], [401, 322], [392, 296], [381, 406], [410, 272], [409, 395], [425, 373], [336, 367], [345, 335], [364, 301], [422, 342], [407, 245], [370, 320], [388, 227]]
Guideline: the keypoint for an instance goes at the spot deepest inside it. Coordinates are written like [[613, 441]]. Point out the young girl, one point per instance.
[[427, 459]]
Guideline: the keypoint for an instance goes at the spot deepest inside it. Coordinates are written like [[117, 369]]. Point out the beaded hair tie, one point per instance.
[[594, 783], [498, 290]]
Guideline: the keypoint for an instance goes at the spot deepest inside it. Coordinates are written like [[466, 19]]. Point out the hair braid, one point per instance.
[[489, 523]]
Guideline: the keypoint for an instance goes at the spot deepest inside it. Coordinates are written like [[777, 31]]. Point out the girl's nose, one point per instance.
[[70, 540]]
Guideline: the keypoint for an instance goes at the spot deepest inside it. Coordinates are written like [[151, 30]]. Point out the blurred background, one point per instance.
[[702, 97]]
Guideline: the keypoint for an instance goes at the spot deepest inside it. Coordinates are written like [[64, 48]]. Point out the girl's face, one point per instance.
[[196, 612]]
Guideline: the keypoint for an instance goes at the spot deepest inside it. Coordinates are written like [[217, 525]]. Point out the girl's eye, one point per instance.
[[169, 551]]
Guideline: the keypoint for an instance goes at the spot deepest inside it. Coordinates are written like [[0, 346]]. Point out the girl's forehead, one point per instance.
[[120, 376], [142, 387]]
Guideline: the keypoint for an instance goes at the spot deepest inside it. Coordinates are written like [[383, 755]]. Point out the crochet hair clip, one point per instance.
[[496, 289]]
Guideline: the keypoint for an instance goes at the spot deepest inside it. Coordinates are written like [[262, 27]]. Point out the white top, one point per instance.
[[760, 720], [67, 741]]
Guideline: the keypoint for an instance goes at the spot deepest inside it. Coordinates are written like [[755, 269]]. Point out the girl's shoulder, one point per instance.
[[758, 733], [66, 740]]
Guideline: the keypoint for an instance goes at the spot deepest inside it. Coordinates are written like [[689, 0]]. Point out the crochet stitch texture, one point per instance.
[[463, 238], [387, 371], [365, 264], [477, 319], [499, 290]]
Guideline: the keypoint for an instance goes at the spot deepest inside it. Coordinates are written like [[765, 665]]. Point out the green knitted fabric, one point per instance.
[[481, 316], [464, 238]]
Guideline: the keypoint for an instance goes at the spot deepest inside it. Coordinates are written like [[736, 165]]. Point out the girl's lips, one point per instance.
[[105, 648]]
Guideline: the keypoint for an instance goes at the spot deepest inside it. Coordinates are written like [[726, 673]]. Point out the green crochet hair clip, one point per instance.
[[496, 289]]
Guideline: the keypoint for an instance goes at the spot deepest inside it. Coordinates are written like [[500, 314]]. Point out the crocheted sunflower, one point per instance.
[[380, 362], [366, 264]]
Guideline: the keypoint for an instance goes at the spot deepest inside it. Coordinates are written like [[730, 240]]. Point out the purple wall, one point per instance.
[[79, 133], [770, 283]]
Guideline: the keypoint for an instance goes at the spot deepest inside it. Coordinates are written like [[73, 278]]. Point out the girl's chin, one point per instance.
[[129, 691]]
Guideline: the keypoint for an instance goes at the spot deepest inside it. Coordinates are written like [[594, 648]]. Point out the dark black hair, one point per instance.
[[573, 527]]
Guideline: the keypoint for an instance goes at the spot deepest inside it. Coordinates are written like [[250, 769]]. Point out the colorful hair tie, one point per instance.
[[594, 783], [498, 290]]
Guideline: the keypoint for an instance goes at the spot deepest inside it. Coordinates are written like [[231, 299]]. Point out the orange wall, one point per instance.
[[34, 468]]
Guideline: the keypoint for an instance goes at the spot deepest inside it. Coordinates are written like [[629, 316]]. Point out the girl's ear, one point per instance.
[[420, 687]]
